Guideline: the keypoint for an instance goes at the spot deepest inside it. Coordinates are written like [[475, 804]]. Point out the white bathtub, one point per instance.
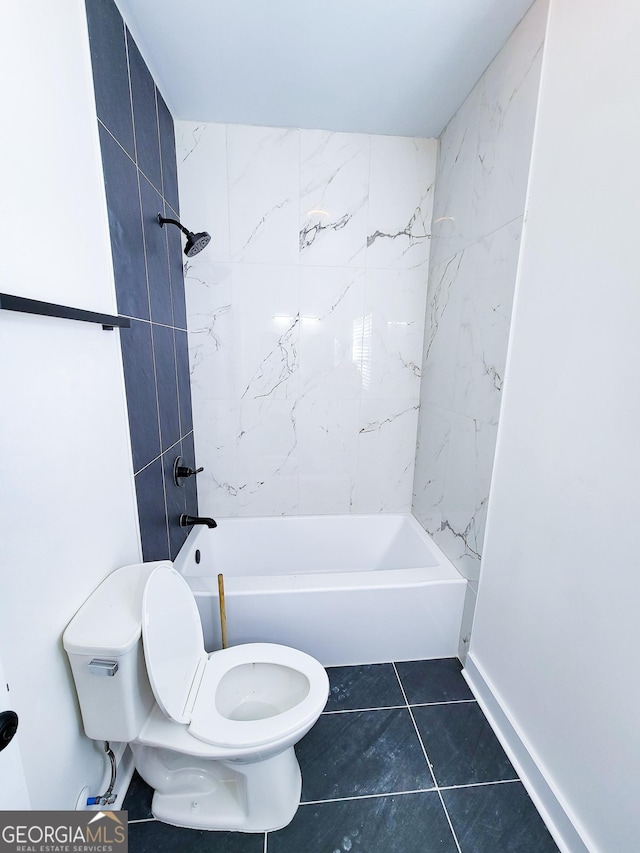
[[347, 589]]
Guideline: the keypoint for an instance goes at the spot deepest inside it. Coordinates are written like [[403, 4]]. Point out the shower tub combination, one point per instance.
[[347, 589]]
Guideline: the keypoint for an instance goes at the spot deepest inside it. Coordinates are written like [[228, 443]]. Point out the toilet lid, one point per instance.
[[172, 639]]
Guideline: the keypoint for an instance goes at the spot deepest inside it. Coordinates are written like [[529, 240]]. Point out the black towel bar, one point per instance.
[[50, 309]]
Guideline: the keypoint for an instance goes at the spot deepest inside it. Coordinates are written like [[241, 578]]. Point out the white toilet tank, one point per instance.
[[104, 644]]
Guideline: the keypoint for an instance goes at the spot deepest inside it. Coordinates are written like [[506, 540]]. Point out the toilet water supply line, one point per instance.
[[108, 798]]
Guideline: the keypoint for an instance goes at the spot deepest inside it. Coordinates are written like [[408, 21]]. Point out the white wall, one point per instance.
[[305, 315], [555, 635], [67, 505]]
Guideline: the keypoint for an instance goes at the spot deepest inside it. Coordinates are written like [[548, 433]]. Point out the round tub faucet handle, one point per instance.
[[181, 472]]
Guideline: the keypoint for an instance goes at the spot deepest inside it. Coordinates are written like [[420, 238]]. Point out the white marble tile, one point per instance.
[[216, 425], [386, 455], [452, 226], [334, 190], [486, 277], [209, 295], [442, 328], [201, 152], [328, 453], [479, 202], [249, 452], [395, 303], [263, 177], [468, 480], [432, 456], [266, 330], [267, 453], [243, 330], [306, 365], [400, 202], [267, 440], [331, 332], [276, 496], [507, 111], [483, 163]]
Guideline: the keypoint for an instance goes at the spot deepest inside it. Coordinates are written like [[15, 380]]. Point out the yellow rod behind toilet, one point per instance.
[[223, 612]]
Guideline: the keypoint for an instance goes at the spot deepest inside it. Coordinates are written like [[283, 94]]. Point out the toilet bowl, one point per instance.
[[212, 734]]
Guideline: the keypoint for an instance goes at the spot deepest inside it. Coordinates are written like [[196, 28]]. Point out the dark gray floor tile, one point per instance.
[[156, 837], [461, 744], [362, 752], [406, 823], [433, 681], [497, 819], [138, 799], [357, 687]]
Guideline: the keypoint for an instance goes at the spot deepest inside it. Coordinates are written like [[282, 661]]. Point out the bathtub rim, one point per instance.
[[443, 572]]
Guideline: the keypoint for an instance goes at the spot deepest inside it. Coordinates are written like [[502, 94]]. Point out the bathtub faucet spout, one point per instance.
[[190, 520]]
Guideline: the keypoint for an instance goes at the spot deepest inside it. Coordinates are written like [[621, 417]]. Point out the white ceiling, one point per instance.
[[399, 67]]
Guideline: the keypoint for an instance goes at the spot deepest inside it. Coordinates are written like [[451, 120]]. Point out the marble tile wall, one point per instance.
[[481, 180], [305, 315]]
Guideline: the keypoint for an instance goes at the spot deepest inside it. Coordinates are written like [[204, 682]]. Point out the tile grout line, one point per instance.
[[435, 789], [429, 765], [357, 797], [397, 707], [162, 453], [134, 161], [478, 784], [155, 323]]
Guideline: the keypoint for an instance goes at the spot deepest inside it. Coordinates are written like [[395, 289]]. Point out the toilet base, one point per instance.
[[259, 796]]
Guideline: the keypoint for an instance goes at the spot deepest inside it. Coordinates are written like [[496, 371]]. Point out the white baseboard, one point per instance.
[[563, 829]]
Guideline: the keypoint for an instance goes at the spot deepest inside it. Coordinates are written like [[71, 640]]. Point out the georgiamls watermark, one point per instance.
[[63, 832]]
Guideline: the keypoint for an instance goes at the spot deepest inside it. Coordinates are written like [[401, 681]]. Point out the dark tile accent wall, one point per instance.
[[140, 172]]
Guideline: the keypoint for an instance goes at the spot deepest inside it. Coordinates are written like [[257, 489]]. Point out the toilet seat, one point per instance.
[[187, 682], [210, 725]]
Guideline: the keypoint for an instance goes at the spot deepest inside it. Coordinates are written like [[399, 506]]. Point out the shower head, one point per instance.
[[195, 242]]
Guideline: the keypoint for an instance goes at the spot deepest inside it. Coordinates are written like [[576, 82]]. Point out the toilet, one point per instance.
[[212, 734]]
